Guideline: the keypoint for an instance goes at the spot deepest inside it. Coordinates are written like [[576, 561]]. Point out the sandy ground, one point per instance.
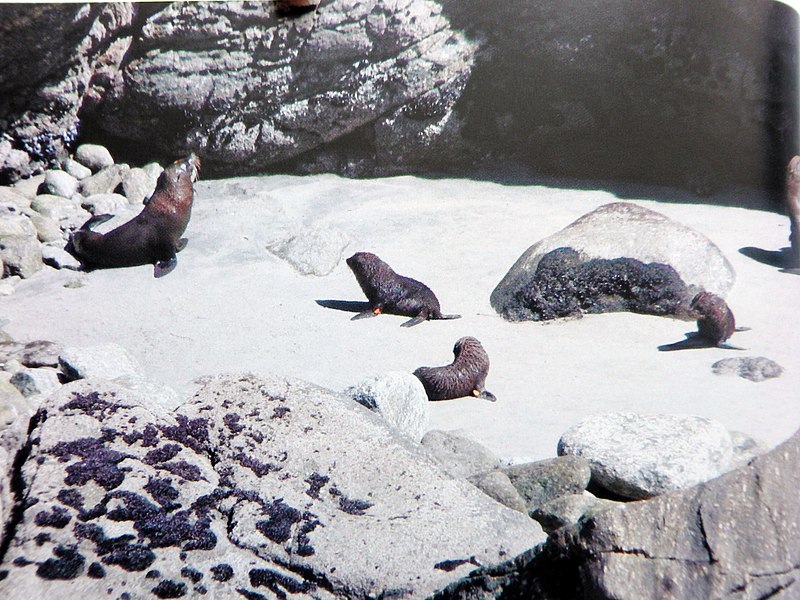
[[230, 305]]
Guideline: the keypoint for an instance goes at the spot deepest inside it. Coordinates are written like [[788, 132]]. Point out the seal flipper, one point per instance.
[[181, 244], [484, 395], [96, 220], [447, 317], [165, 267], [415, 321], [372, 312]]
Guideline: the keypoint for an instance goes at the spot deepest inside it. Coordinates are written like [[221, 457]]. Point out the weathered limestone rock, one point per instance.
[[458, 454], [640, 456], [399, 398], [256, 486], [94, 157], [619, 230]]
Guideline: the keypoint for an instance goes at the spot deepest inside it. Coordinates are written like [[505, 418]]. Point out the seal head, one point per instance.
[[465, 376], [151, 237], [388, 292]]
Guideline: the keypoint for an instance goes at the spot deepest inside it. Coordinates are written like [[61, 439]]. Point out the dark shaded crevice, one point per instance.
[[17, 485], [704, 537]]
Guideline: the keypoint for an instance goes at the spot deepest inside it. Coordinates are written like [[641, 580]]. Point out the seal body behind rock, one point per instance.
[[388, 292], [715, 321], [792, 203], [153, 236], [466, 376]]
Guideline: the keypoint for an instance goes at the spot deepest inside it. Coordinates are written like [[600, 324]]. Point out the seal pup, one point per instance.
[[388, 292], [792, 204], [151, 237], [715, 324], [466, 376]]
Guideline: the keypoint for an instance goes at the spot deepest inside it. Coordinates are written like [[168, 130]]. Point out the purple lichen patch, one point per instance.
[[278, 583], [451, 565], [68, 564], [192, 575], [278, 527], [21, 561], [249, 595], [280, 411], [315, 483], [162, 454], [41, 538], [181, 468], [116, 551], [257, 467], [148, 437], [231, 421], [161, 491], [192, 433], [96, 571], [57, 517], [91, 404], [351, 506], [170, 589], [222, 572], [74, 499], [97, 463]]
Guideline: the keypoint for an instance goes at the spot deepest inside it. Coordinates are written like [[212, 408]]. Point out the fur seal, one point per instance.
[[151, 237], [388, 292], [466, 376], [792, 203], [715, 321]]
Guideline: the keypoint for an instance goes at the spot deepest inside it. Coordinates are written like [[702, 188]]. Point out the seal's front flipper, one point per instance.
[[165, 267], [372, 312], [727, 346], [484, 395], [181, 244], [415, 321]]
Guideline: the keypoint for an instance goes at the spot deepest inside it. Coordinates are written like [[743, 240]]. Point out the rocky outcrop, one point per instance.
[[733, 537], [261, 487], [620, 256]]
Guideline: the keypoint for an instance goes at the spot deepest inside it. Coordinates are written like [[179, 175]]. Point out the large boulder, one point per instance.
[[733, 537], [620, 230], [246, 87], [256, 487]]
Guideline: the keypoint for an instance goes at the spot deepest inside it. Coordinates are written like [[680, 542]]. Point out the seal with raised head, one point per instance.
[[151, 237], [792, 204], [388, 292], [465, 376], [715, 321]]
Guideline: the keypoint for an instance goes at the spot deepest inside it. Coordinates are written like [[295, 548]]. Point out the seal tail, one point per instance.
[[96, 220], [441, 317]]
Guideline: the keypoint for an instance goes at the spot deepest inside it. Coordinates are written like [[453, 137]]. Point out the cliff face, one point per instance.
[[698, 97]]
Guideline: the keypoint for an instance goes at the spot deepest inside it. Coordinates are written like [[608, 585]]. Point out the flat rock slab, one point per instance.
[[640, 456], [754, 368], [257, 486], [620, 230]]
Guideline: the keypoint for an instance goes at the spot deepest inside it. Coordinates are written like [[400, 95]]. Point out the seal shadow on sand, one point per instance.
[[354, 306], [695, 341], [780, 259]]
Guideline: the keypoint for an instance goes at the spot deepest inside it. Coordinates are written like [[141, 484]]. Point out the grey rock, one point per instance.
[[256, 485], [67, 213], [76, 169], [733, 537], [153, 170], [94, 157], [497, 485], [105, 181], [21, 255], [35, 382], [629, 231], [458, 454], [640, 456], [16, 225], [541, 481], [318, 78], [38, 353], [15, 415], [312, 251], [29, 187], [56, 61], [59, 183], [754, 368], [138, 185], [47, 229], [398, 397], [570, 509], [8, 284], [99, 204], [105, 361], [153, 394], [11, 196], [745, 449], [58, 258]]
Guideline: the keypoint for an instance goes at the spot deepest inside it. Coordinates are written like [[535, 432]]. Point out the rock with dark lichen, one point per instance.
[[620, 256], [117, 492]]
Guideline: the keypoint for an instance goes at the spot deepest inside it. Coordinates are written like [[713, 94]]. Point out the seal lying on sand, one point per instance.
[[388, 292], [466, 376], [715, 324], [153, 236]]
